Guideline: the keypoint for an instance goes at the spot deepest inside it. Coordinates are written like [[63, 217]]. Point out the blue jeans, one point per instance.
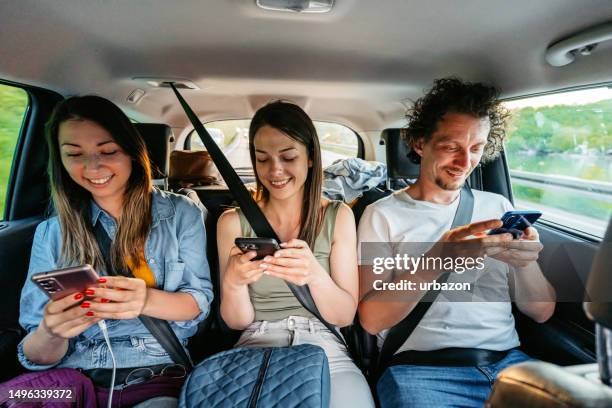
[[428, 386]]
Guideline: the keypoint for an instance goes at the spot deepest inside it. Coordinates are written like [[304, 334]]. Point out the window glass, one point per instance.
[[13, 105], [337, 141], [559, 151]]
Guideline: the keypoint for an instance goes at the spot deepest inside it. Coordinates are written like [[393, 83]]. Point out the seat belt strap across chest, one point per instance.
[[398, 334], [160, 329], [249, 207]]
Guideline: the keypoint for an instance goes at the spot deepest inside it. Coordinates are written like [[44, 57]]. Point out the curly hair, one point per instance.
[[454, 95]]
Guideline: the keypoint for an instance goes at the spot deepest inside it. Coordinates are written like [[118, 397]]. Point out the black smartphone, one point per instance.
[[263, 246], [60, 283], [515, 222]]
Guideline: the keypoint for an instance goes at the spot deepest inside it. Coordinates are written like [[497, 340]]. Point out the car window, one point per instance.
[[13, 105], [559, 151], [337, 141]]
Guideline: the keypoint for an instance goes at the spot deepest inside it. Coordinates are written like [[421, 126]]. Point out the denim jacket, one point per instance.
[[175, 250]]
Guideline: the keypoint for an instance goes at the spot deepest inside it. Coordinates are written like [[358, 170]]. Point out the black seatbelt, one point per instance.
[[249, 207], [160, 329], [398, 334]]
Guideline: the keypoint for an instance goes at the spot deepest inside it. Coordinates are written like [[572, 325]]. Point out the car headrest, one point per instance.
[[399, 166], [157, 137], [599, 284]]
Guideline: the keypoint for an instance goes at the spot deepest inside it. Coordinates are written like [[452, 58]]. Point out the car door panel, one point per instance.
[[26, 203]]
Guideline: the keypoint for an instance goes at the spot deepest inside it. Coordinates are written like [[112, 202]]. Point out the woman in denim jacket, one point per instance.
[[100, 173]]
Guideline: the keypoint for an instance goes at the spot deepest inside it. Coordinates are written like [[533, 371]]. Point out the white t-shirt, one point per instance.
[[486, 325]]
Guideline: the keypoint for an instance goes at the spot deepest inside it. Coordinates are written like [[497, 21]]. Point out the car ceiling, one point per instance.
[[359, 65]]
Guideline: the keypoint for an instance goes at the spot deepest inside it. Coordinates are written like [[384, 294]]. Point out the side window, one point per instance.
[[559, 151], [337, 141], [13, 105]]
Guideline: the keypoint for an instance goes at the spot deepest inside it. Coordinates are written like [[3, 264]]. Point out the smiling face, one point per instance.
[[281, 163], [94, 160], [453, 151]]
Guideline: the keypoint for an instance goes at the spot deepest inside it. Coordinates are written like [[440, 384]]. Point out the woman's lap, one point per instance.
[[348, 385]]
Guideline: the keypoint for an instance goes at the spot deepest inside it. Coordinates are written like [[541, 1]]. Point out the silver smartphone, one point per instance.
[[60, 283]]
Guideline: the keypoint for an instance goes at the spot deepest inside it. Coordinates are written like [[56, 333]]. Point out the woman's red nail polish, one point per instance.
[[90, 313], [102, 280], [104, 300], [85, 305], [89, 292], [78, 296]]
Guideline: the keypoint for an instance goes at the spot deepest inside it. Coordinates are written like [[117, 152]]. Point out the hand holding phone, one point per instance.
[[243, 265], [262, 246], [60, 283], [63, 318], [517, 253], [515, 222], [121, 297], [295, 263]]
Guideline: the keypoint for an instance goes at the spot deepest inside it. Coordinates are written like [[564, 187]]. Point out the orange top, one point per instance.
[[142, 270]]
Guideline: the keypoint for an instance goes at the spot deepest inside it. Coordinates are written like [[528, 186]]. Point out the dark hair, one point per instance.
[[456, 96], [72, 202], [296, 124]]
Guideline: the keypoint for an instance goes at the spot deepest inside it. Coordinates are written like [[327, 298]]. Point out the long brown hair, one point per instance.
[[296, 124], [72, 202]]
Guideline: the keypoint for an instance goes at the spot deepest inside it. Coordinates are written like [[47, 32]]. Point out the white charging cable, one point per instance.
[[102, 325]]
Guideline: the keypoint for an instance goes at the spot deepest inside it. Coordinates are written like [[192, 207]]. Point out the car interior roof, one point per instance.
[[359, 65]]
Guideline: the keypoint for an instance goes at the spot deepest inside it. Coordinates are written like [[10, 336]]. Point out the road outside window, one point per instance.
[[13, 104], [559, 151]]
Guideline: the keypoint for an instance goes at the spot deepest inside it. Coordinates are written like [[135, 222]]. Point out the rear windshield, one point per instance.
[[337, 141]]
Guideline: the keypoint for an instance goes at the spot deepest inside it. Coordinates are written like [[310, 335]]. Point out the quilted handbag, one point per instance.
[[296, 376]]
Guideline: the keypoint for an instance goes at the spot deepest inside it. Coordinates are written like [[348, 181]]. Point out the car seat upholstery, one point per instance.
[[399, 165], [400, 171], [157, 137]]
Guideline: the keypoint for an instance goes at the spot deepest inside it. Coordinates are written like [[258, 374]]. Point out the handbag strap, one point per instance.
[[398, 334], [249, 207], [160, 329]]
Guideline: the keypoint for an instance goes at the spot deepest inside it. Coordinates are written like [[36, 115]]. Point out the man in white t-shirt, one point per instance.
[[458, 347]]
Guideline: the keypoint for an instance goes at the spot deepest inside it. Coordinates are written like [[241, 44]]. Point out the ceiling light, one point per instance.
[[299, 6]]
